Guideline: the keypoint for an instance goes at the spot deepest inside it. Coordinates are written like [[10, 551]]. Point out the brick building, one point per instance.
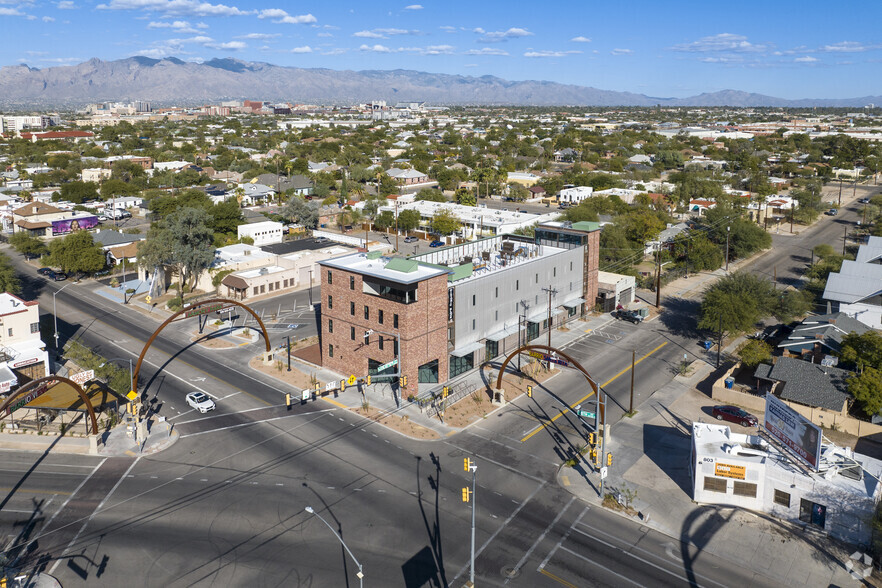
[[455, 307]]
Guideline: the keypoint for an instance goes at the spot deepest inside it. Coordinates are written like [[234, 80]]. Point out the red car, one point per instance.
[[734, 414]]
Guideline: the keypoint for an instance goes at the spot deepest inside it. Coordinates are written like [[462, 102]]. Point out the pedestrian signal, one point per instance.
[[529, 391]]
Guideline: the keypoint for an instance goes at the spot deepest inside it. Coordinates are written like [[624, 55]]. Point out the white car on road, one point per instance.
[[200, 401]]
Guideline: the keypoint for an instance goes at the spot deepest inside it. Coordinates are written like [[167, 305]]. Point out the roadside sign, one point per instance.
[[131, 395], [387, 365], [352, 380], [331, 386], [536, 354], [82, 377], [203, 310], [304, 396], [586, 414], [603, 472], [148, 299]]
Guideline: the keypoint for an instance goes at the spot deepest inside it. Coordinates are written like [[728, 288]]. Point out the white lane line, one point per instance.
[[502, 465], [44, 473], [91, 516], [562, 539], [64, 504], [604, 567], [541, 537], [287, 416], [501, 527], [224, 414]]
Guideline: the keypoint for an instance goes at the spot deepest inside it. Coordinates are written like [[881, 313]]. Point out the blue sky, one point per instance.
[[806, 49]]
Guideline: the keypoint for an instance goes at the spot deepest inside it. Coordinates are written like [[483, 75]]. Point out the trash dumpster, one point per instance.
[[707, 344], [730, 383]]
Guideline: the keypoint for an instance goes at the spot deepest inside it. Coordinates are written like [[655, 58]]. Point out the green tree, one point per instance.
[[301, 211], [735, 303], [384, 220], [27, 244], [863, 350], [79, 192], [866, 388], [792, 304], [226, 216], [114, 187], [9, 281], [408, 220], [465, 197], [754, 352], [184, 243], [431, 195], [445, 222], [517, 192], [77, 253]]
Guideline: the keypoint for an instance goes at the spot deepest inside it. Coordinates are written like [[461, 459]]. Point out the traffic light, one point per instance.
[[591, 439], [529, 391], [466, 463], [288, 400], [317, 385], [445, 391], [403, 380], [367, 381], [609, 459], [593, 455], [465, 494], [342, 385]]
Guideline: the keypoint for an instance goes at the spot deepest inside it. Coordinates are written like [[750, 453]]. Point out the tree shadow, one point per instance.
[[680, 316]]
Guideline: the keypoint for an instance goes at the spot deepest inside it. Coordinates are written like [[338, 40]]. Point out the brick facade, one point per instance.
[[422, 326], [592, 267]]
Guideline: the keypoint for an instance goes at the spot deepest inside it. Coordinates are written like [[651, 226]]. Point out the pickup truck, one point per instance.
[[628, 315]]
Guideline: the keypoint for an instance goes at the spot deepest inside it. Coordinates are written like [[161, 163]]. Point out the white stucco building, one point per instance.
[[265, 233], [21, 349]]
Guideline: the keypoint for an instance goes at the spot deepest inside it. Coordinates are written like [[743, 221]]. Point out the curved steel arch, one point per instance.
[[179, 313], [33, 384], [545, 348]]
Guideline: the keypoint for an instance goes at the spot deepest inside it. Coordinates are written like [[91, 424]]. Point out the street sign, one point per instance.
[[603, 472], [148, 299], [536, 354], [203, 310], [82, 377], [331, 386], [131, 395], [352, 380], [304, 396], [586, 414], [387, 365]]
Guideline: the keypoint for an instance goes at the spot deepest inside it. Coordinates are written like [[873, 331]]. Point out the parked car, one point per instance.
[[632, 316], [59, 276], [45, 271], [411, 239], [436, 244], [321, 239], [863, 200], [102, 218], [832, 212], [200, 401], [733, 414]]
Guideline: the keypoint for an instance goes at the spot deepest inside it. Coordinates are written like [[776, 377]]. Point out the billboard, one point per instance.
[[69, 225], [798, 434]]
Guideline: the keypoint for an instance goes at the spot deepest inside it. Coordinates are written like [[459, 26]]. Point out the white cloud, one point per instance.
[[229, 46], [438, 50], [259, 36], [304, 49], [723, 59], [498, 36], [580, 39], [324, 35], [176, 7], [447, 28], [722, 42], [486, 51], [375, 48], [337, 51], [550, 53], [48, 19], [806, 59], [180, 26], [10, 12], [471, 65], [848, 47], [282, 17], [65, 5], [368, 35], [621, 52], [414, 7]]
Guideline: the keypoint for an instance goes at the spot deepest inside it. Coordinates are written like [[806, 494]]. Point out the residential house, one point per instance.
[[118, 246], [856, 289], [806, 383], [818, 337], [23, 355], [567, 155], [407, 177]]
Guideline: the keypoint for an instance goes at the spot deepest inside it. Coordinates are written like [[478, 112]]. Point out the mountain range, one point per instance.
[[173, 81]]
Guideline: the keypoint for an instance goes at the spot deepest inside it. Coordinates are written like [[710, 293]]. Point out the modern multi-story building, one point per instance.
[[456, 307]]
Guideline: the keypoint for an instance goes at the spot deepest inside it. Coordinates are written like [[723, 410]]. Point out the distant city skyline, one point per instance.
[[810, 50]]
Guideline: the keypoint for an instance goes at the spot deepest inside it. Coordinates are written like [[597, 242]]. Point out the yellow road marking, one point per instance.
[[31, 491], [589, 395], [558, 580], [334, 402], [565, 480], [451, 433]]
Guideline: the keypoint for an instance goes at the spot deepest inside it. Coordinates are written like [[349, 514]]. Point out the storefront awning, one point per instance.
[[500, 335], [574, 303], [543, 315], [7, 379], [466, 349]]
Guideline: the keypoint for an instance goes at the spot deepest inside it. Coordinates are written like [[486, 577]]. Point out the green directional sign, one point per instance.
[[586, 414]]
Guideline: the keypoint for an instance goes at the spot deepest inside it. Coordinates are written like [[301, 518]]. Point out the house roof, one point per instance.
[[808, 383], [854, 282], [108, 238], [870, 252], [234, 282], [401, 174], [36, 208], [128, 251], [828, 329], [32, 225]]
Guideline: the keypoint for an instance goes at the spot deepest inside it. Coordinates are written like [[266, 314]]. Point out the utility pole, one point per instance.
[[657, 279], [633, 363], [396, 224], [727, 248], [775, 278], [840, 191], [844, 237], [289, 352], [470, 497], [792, 205], [720, 342], [551, 292]]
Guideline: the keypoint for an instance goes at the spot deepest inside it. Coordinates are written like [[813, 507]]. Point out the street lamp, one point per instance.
[[727, 249], [359, 575], [55, 314]]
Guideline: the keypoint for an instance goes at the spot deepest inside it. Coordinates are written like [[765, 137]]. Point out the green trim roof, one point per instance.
[[587, 226], [402, 265]]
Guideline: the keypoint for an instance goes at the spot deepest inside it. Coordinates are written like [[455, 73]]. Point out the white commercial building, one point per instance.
[[265, 233], [21, 349], [575, 195], [747, 471], [476, 221]]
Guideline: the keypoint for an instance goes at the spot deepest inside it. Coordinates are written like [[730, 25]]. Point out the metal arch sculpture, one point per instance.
[[35, 383], [185, 310]]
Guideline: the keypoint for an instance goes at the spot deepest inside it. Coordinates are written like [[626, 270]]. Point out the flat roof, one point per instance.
[[379, 268], [260, 271]]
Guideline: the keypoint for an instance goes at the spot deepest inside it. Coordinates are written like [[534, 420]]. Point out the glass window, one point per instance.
[[460, 365], [352, 308], [367, 338], [491, 350], [380, 342], [473, 326], [330, 301], [394, 321], [387, 375], [532, 330], [330, 279], [715, 484], [473, 299], [352, 282], [35, 327], [331, 350], [367, 313], [497, 291], [744, 489], [428, 373], [330, 325], [380, 316], [782, 498], [517, 284], [352, 333]]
